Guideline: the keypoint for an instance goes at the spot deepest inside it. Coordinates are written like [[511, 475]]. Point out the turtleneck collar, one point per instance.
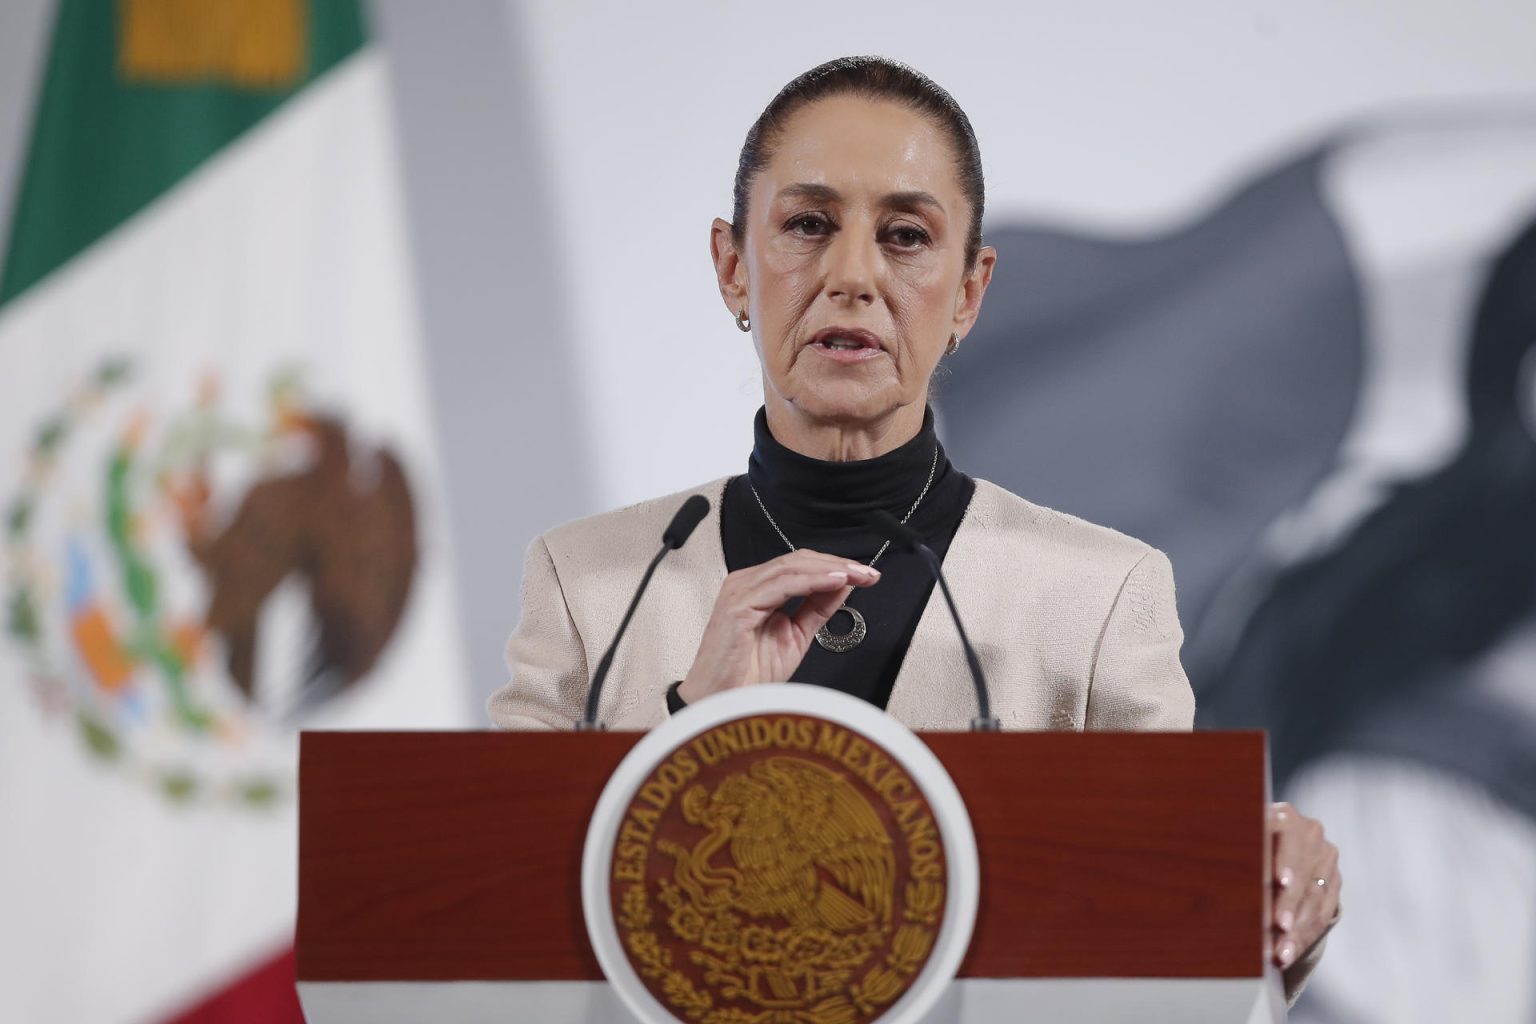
[[821, 506], [806, 494]]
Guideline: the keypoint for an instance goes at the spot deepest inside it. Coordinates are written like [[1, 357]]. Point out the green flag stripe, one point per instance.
[[102, 148]]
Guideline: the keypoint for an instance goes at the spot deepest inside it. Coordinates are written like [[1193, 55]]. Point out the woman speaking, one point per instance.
[[854, 259]]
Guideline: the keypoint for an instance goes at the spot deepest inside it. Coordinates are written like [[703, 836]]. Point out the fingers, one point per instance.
[[1302, 908], [816, 609], [1321, 885], [748, 639], [766, 588], [771, 594], [1288, 892], [806, 560]]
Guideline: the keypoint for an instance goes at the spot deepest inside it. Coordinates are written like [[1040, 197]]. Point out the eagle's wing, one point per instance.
[[835, 827], [365, 562], [247, 560], [775, 877], [250, 556]]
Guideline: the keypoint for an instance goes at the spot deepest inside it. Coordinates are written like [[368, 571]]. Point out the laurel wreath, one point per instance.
[[910, 946], [654, 961]]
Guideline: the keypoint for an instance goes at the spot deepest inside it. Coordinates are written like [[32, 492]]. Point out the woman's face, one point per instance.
[[852, 269]]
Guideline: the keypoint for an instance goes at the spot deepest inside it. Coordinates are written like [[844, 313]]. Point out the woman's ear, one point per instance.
[[972, 289], [730, 268]]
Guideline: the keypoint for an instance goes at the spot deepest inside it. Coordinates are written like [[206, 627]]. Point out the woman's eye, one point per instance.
[[908, 237], [810, 224]]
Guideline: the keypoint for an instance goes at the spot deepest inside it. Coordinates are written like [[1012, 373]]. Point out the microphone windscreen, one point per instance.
[[887, 526], [687, 519]]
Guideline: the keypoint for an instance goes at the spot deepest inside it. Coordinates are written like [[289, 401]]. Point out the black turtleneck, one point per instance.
[[821, 505]]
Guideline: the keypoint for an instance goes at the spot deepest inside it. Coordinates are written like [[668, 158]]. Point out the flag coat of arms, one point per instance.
[[221, 511]]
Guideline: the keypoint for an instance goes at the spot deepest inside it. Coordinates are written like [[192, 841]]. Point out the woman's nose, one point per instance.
[[852, 268]]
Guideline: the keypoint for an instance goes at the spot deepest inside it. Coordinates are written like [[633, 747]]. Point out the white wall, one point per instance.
[[24, 26], [1117, 114]]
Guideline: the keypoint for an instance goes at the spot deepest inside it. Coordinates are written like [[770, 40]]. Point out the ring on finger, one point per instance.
[[1321, 883]]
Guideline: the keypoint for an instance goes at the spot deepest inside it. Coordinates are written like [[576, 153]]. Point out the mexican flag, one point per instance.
[[219, 501]]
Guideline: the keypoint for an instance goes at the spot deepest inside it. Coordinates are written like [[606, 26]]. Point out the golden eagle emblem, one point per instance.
[[806, 847], [344, 524], [784, 874]]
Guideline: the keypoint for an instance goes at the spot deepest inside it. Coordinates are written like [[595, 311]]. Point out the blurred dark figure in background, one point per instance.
[[1396, 672], [1423, 587]]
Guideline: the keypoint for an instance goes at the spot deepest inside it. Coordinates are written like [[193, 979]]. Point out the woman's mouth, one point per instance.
[[847, 344]]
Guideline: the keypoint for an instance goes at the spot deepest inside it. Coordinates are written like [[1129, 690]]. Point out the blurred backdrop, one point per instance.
[[314, 312]]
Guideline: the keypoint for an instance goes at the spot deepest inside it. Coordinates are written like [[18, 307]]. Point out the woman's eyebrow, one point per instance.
[[912, 202], [815, 193]]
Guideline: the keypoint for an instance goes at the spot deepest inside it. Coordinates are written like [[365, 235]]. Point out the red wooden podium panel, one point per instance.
[[457, 856]]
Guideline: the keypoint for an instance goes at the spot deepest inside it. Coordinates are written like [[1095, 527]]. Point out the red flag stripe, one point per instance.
[[265, 995]]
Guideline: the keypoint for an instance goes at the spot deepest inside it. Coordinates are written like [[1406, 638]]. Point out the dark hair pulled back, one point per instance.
[[872, 78]]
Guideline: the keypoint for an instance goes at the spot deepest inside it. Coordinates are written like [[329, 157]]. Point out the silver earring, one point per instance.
[[742, 323], [953, 346]]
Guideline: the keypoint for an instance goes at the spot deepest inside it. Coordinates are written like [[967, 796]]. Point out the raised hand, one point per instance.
[[749, 639]]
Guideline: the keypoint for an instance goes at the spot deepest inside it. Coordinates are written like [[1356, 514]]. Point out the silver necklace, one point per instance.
[[838, 643]]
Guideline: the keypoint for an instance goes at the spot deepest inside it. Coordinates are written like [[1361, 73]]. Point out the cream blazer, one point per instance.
[[1075, 624]]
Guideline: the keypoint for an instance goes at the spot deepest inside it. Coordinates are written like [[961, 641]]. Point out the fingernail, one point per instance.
[[838, 574], [1287, 953], [1285, 920], [862, 570], [1286, 878]]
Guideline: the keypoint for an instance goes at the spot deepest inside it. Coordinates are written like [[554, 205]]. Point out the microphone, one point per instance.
[[904, 536], [673, 537], [683, 524]]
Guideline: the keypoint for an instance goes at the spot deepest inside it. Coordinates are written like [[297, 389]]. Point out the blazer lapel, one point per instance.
[[933, 688], [665, 633], [693, 584]]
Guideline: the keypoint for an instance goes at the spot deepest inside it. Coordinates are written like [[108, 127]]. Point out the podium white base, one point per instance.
[[968, 1001]]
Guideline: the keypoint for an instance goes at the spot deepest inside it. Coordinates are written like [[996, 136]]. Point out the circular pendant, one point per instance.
[[839, 643]]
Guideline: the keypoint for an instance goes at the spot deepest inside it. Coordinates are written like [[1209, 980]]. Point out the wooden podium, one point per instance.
[[1123, 877]]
